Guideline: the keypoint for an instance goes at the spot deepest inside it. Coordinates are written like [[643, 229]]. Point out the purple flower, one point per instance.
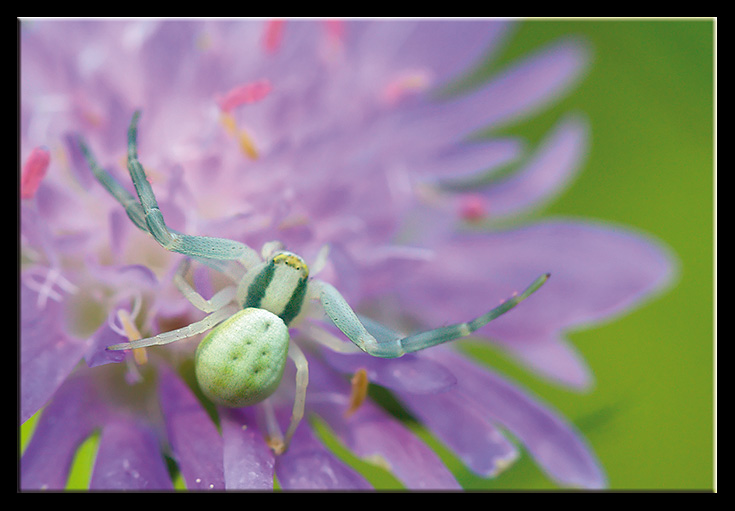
[[314, 133]]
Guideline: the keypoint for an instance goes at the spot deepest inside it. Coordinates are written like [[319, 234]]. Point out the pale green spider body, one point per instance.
[[247, 371], [241, 361]]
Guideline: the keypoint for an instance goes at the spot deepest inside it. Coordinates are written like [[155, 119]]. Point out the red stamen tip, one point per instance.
[[34, 169], [473, 207], [335, 30], [244, 94], [273, 35]]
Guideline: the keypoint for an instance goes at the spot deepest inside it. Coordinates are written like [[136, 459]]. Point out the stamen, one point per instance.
[[335, 30], [332, 46], [246, 145], [273, 35], [94, 119], [203, 42], [406, 84], [229, 123], [473, 207], [45, 289], [244, 94], [131, 332], [359, 391], [243, 138], [34, 169]]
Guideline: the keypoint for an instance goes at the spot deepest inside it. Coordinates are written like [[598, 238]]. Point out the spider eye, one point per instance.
[[292, 260]]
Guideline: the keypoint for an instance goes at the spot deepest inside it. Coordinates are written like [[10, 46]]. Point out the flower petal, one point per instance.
[[248, 461], [545, 174], [524, 87], [308, 465], [375, 436], [459, 424], [64, 424], [468, 159], [129, 458], [97, 353], [195, 441], [555, 444], [597, 271], [444, 49], [410, 373], [47, 355]]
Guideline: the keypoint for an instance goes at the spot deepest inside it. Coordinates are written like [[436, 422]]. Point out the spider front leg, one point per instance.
[[147, 216], [219, 300], [385, 345], [200, 246], [179, 334]]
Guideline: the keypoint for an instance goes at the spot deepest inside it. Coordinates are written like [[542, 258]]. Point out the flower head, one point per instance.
[[316, 134]]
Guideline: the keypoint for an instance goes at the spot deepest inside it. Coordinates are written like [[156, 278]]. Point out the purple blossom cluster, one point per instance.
[[314, 133]]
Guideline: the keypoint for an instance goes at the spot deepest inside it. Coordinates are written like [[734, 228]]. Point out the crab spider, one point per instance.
[[240, 362]]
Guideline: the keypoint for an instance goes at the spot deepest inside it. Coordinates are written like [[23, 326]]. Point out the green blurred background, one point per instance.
[[649, 97]]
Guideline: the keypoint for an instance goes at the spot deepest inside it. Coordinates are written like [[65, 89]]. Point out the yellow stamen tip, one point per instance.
[[228, 122], [139, 354], [359, 391], [247, 146]]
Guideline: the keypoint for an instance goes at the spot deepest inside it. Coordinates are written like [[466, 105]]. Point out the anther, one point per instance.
[[46, 289], [244, 94], [359, 391], [473, 207], [132, 333], [406, 84], [247, 146], [335, 31], [34, 169], [333, 41], [273, 35]]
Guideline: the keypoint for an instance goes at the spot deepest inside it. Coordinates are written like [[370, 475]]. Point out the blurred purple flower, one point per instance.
[[311, 133]]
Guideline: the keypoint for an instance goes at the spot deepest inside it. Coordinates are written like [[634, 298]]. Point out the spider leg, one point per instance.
[[275, 439], [219, 300], [135, 211], [112, 185], [302, 380], [195, 328], [199, 246], [147, 216], [380, 341]]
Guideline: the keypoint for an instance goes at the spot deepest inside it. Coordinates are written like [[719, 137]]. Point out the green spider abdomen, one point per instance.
[[241, 361]]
